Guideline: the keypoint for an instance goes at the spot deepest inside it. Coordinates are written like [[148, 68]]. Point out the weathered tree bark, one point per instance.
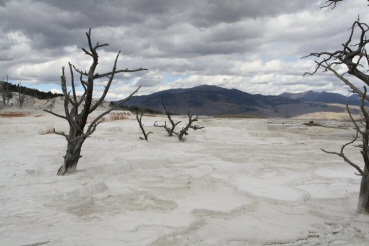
[[71, 158], [363, 204], [77, 109], [354, 56]]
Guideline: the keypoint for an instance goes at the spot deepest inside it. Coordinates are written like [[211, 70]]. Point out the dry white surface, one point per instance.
[[236, 182]]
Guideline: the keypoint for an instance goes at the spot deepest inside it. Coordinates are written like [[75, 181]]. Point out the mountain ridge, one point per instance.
[[213, 100], [325, 97]]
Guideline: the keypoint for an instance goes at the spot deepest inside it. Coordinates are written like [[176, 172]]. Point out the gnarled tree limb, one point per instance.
[[170, 130], [139, 120], [189, 125]]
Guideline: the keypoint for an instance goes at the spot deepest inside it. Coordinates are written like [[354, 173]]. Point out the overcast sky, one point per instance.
[[251, 45]]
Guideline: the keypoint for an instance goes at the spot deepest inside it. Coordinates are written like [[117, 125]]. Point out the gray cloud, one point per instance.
[[253, 45]]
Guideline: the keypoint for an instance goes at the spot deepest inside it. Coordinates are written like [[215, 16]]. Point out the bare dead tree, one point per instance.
[[353, 56], [21, 95], [170, 130], [77, 109], [6, 95], [184, 130], [139, 120], [362, 133]]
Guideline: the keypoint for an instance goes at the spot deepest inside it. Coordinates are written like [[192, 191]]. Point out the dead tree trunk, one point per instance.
[[170, 130], [354, 56], [77, 109], [189, 125], [71, 157], [139, 120], [363, 203]]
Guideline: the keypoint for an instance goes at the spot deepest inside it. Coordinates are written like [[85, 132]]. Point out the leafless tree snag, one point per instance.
[[189, 125], [21, 95], [354, 58], [77, 109], [6, 95], [170, 130], [139, 120]]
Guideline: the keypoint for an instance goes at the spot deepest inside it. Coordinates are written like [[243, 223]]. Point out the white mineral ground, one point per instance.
[[235, 182]]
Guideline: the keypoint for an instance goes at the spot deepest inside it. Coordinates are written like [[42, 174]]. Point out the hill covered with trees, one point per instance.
[[6, 87]]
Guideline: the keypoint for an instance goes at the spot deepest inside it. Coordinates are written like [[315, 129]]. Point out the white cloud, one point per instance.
[[70, 48]]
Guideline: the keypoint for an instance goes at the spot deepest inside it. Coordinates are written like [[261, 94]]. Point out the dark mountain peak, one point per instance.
[[209, 100], [204, 86], [215, 89], [209, 88]]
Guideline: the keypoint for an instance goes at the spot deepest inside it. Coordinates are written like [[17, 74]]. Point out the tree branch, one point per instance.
[[72, 82], [139, 120], [357, 127], [331, 2], [111, 109], [55, 114], [188, 126], [347, 82], [61, 134], [98, 76], [344, 157]]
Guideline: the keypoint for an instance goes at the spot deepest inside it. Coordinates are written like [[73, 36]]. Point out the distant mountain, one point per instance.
[[213, 100], [325, 97]]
